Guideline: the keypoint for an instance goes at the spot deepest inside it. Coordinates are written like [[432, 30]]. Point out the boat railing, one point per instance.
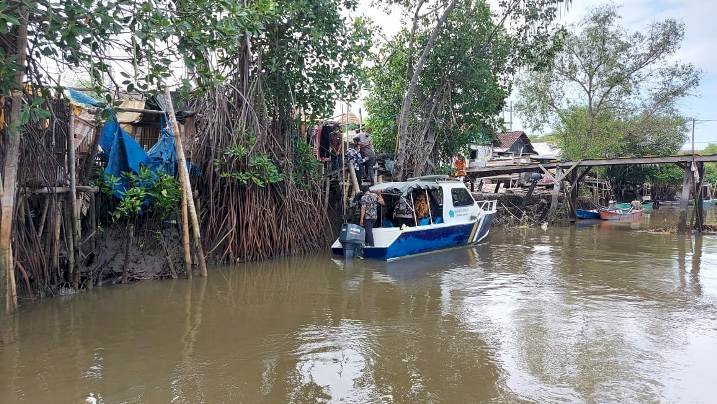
[[488, 206]]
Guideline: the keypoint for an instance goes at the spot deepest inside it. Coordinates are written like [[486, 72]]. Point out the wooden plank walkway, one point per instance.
[[569, 171], [536, 167]]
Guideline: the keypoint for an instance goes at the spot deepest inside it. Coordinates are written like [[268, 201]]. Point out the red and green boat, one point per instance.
[[620, 214]]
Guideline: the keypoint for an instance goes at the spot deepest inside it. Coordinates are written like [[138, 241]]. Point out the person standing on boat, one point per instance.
[[366, 145], [369, 212]]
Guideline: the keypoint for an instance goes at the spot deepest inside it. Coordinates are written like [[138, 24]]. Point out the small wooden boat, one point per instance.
[[646, 207], [587, 214], [620, 214]]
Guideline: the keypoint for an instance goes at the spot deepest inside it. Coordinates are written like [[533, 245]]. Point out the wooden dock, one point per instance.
[[536, 167], [570, 171]]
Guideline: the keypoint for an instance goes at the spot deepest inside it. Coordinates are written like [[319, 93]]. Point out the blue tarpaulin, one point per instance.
[[162, 156], [124, 154]]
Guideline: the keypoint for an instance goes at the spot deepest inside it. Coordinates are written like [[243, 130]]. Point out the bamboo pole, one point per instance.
[[56, 240], [43, 217], [75, 217], [186, 184], [185, 238], [69, 243]]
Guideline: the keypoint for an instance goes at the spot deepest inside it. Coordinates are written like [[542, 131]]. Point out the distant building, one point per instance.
[[514, 143], [546, 151]]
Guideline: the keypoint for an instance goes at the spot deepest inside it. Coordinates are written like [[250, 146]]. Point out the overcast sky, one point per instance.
[[699, 46]]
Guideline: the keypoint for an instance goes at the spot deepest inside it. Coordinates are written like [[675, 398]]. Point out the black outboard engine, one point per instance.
[[352, 239]]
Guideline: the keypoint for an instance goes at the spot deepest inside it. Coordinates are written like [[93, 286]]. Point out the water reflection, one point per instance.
[[577, 313]]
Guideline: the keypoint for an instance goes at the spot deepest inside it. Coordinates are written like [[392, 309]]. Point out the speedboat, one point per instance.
[[455, 219]]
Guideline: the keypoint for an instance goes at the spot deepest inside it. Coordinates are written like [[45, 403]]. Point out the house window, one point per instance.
[[461, 197]]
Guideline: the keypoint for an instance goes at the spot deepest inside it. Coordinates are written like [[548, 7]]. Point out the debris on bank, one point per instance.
[[517, 210]]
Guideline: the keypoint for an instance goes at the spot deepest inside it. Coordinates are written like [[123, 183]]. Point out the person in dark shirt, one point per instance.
[[366, 145], [353, 156], [369, 212]]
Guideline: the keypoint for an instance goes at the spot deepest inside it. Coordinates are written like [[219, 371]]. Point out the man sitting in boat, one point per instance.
[[422, 211], [403, 213]]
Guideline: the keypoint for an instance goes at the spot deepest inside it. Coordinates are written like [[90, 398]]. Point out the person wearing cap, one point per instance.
[[369, 211]]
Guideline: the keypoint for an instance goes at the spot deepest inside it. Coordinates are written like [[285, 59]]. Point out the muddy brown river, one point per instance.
[[598, 312]]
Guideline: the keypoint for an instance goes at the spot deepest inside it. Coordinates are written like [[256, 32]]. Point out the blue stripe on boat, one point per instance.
[[422, 241]]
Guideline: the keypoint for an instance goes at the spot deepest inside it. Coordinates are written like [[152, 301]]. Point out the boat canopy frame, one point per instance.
[[404, 188]]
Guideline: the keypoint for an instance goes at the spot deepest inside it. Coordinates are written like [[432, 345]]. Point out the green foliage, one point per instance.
[[612, 93], [313, 55], [466, 79], [256, 169], [134, 195], [443, 169], [106, 182], [130, 205], [157, 193], [574, 145], [665, 174], [710, 168], [306, 166], [165, 195]]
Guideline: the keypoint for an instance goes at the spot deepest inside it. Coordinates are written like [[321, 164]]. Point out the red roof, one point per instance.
[[507, 139]]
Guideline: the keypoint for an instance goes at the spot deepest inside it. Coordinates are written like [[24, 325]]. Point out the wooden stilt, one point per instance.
[[684, 199], [573, 195], [93, 219], [326, 191], [56, 240], [186, 185], [699, 208], [74, 212], [558, 180], [69, 242], [43, 217]]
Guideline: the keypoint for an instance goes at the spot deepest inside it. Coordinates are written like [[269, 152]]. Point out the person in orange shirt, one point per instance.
[[460, 166]]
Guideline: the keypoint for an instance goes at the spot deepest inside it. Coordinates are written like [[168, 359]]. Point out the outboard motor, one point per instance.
[[352, 239]]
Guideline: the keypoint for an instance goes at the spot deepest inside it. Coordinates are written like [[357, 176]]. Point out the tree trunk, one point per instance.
[[8, 297], [411, 91]]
